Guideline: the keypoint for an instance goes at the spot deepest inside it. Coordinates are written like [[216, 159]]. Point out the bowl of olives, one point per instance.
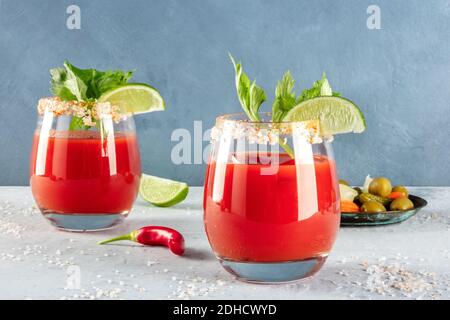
[[378, 202]]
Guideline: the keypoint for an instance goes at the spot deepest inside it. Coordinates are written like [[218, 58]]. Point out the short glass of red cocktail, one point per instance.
[[85, 164], [271, 198]]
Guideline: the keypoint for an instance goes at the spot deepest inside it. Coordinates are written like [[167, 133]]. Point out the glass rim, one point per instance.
[[238, 125], [88, 111], [233, 117]]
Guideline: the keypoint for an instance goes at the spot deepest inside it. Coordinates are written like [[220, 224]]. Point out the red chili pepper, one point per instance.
[[154, 236]]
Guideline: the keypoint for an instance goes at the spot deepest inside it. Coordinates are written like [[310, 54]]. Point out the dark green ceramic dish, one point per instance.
[[382, 218]]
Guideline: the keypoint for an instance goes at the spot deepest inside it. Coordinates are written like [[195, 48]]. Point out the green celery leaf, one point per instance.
[[75, 83], [251, 96], [325, 88], [104, 81], [72, 83], [76, 123], [57, 84], [66, 84], [84, 75], [285, 97], [320, 88], [99, 82]]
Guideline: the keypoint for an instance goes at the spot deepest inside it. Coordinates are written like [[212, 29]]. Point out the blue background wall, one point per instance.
[[399, 75]]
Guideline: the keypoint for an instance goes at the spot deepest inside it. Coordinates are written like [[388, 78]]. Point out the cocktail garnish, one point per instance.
[[251, 96], [162, 192], [71, 83], [285, 98], [82, 92], [320, 102]]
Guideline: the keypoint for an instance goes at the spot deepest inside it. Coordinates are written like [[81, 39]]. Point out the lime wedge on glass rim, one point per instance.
[[135, 98], [162, 192], [336, 115]]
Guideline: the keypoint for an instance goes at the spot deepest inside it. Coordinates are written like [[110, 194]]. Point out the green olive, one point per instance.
[[380, 186], [402, 190], [372, 206], [402, 204], [364, 197], [344, 182]]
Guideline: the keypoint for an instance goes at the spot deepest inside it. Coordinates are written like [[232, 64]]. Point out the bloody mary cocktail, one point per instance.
[[85, 165], [271, 198], [270, 216]]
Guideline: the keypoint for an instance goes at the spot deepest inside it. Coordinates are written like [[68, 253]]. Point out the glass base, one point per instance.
[[273, 272], [79, 222]]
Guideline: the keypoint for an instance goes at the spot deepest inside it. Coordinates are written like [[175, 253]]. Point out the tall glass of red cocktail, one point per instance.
[[84, 176], [270, 215]]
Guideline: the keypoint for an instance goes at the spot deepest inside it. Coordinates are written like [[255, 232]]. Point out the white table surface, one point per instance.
[[410, 260]]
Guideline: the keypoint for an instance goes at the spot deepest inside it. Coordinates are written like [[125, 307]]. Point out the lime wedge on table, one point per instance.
[[336, 115], [162, 192], [135, 98]]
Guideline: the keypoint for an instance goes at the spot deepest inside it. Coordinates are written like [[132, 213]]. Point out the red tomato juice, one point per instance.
[[264, 218], [79, 172]]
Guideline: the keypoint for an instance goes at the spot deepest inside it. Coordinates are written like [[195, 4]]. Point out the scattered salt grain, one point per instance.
[[390, 278], [11, 228], [195, 287]]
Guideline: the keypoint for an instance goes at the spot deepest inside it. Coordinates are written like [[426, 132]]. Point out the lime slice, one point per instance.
[[135, 98], [336, 115], [162, 192]]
